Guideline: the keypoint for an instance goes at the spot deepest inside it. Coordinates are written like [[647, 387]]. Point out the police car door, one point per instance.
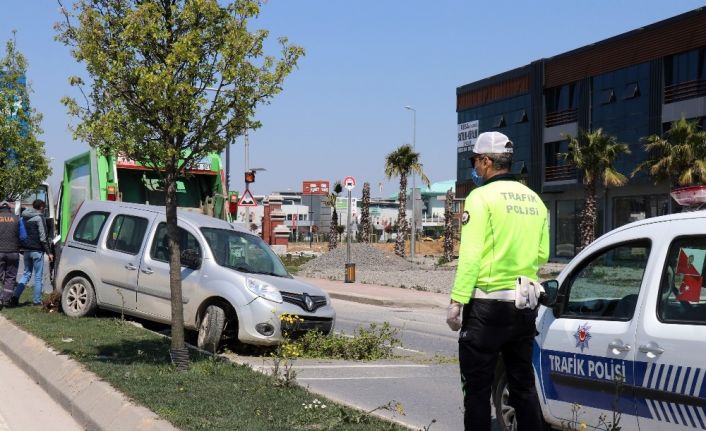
[[588, 348], [670, 349]]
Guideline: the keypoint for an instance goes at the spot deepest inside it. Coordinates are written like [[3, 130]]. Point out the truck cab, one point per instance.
[[623, 342]]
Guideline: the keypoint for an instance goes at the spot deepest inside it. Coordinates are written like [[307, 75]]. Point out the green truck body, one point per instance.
[[93, 176]]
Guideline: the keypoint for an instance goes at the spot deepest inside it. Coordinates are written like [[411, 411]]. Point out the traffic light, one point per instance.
[[249, 176]]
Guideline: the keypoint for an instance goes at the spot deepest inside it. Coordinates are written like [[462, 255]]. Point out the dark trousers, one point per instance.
[[490, 328], [8, 275]]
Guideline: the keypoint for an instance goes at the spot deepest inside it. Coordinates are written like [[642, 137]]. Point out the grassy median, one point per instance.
[[211, 395]]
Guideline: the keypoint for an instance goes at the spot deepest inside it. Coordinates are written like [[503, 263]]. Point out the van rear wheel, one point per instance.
[[78, 299], [211, 328]]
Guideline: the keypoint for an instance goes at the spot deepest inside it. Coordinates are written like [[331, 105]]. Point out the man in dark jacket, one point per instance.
[[9, 251], [36, 245]]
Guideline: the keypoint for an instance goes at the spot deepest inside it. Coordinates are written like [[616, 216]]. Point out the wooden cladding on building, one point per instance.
[[493, 92], [635, 47]]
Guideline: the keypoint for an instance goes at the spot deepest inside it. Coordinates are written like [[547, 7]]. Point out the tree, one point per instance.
[[23, 163], [333, 227], [594, 153], [679, 157], [171, 81], [365, 214], [400, 163], [449, 235]]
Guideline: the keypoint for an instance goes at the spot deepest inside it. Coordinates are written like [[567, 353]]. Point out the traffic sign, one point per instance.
[[247, 200], [349, 183]]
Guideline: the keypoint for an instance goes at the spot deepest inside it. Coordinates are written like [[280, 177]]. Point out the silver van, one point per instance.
[[233, 284]]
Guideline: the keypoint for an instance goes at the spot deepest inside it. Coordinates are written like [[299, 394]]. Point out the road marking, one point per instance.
[[409, 350], [362, 366], [355, 378]]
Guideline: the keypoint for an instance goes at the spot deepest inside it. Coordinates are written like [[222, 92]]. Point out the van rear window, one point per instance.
[[89, 228]]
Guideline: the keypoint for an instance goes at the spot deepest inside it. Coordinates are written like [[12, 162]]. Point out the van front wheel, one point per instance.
[[78, 299], [211, 328]]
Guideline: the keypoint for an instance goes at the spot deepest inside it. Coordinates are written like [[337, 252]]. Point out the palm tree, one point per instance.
[[448, 227], [594, 154], [679, 157], [331, 202], [365, 214], [401, 163]]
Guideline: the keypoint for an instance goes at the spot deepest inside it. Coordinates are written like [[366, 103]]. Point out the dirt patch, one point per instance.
[[424, 248]]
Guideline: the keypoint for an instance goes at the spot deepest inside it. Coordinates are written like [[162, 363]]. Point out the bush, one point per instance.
[[367, 344]]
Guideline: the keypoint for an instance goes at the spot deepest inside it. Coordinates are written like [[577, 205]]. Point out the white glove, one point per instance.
[[453, 316], [527, 293]]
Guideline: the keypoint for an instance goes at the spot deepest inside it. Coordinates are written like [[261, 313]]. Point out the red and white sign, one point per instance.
[[247, 200], [349, 183], [316, 187]]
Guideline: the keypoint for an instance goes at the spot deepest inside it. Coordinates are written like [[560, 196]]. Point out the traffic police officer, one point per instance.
[[504, 235]]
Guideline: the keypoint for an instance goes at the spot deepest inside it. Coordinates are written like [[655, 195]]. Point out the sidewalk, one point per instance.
[[379, 295]]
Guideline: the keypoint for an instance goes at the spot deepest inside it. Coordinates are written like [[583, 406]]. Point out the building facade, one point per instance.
[[632, 86]]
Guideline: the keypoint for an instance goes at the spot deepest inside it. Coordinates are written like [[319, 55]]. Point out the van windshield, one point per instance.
[[243, 252]]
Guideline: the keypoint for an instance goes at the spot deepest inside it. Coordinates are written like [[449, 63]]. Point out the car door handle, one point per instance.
[[147, 271], [651, 348], [130, 267], [619, 346]]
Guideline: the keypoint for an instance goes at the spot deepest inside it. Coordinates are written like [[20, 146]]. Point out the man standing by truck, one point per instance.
[[504, 236], [36, 245]]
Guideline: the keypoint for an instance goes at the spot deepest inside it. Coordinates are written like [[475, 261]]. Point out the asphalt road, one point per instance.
[[424, 380]]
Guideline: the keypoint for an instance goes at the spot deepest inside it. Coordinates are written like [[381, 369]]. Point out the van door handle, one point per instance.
[[147, 271], [651, 348], [130, 267], [619, 346]]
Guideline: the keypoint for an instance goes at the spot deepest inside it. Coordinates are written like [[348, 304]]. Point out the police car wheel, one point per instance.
[[504, 412]]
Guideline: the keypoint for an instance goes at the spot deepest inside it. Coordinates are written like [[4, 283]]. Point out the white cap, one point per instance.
[[492, 143]]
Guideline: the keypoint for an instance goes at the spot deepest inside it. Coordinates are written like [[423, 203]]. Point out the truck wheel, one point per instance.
[[78, 299], [211, 328], [504, 412]]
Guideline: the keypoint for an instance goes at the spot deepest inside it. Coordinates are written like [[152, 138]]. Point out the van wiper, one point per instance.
[[267, 273], [243, 269]]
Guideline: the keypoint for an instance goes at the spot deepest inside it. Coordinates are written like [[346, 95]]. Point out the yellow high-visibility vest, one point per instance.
[[504, 234]]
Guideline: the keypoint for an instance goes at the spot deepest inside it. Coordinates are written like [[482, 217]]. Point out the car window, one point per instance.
[[126, 234], [160, 244], [89, 227], [243, 252], [607, 284], [682, 292]]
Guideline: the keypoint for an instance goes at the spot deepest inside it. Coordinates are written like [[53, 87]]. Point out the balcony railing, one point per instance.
[[559, 173], [560, 117], [684, 90]]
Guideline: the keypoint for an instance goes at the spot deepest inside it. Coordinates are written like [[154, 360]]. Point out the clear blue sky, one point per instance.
[[342, 111]]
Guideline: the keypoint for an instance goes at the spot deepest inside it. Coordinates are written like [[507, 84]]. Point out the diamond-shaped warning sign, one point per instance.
[[247, 200]]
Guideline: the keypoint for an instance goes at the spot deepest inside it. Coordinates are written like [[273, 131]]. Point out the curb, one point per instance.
[[380, 301], [93, 403]]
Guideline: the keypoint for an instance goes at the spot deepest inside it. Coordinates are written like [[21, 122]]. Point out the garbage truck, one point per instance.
[[94, 176]]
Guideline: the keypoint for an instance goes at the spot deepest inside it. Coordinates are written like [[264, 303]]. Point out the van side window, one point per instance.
[[89, 228], [607, 284], [160, 243], [126, 234], [682, 291]]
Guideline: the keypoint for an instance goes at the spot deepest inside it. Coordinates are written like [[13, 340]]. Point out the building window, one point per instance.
[[519, 116], [568, 220], [634, 208], [631, 91], [685, 75], [607, 96], [499, 121]]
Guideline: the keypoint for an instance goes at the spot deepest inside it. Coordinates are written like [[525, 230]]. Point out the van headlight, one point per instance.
[[264, 290]]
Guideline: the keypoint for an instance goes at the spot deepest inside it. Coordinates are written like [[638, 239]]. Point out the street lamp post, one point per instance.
[[414, 196]]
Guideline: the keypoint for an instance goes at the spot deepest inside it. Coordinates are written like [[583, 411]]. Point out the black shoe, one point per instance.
[[14, 302]]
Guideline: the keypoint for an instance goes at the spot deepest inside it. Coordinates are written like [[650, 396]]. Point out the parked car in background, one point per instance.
[[626, 332], [234, 286]]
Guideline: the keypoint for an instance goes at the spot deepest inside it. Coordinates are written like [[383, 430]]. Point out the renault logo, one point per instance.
[[308, 302]]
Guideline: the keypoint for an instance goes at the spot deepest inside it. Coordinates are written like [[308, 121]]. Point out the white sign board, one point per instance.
[[467, 135]]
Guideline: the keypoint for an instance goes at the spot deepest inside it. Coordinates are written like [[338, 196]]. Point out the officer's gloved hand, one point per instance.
[[453, 316]]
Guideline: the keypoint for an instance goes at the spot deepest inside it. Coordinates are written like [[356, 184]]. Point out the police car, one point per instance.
[[625, 332]]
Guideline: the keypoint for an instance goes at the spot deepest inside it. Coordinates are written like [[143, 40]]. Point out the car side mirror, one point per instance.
[[190, 259], [554, 297]]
